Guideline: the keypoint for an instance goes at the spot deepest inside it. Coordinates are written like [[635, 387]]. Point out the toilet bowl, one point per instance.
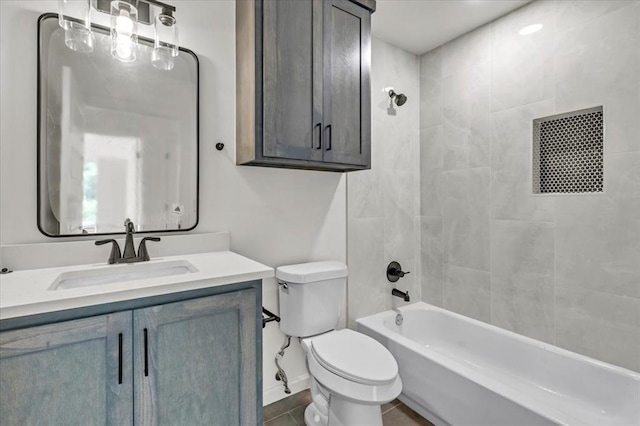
[[352, 375], [355, 375]]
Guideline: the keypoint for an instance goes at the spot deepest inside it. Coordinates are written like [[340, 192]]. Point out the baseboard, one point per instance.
[[276, 393]]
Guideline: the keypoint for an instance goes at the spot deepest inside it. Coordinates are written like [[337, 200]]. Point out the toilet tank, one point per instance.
[[311, 296]]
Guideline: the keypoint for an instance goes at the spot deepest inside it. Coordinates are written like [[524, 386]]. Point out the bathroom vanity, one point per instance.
[[183, 347]]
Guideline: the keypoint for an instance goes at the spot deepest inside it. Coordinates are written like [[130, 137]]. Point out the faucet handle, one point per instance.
[[115, 250], [129, 227], [143, 253], [395, 272]]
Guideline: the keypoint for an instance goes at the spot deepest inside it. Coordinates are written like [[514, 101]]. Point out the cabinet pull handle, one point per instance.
[[120, 358], [319, 126], [146, 353], [329, 138]]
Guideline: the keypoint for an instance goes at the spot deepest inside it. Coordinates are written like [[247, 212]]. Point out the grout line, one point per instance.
[[277, 417], [392, 407], [294, 419], [491, 236], [555, 201]]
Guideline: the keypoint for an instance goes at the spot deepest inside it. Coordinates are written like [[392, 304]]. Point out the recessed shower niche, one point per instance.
[[116, 139], [568, 152]]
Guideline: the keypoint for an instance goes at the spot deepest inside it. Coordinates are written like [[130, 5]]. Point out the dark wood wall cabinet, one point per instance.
[[302, 84]]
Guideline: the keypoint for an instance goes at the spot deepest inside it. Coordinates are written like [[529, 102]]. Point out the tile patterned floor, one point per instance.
[[290, 412]]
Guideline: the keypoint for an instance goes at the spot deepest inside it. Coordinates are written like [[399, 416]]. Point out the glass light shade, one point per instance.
[[124, 31], [74, 16], [165, 42]]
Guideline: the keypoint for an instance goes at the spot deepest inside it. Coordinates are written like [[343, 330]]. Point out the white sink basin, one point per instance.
[[120, 273]]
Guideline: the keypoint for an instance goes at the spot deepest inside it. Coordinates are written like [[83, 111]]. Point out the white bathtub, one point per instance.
[[459, 371]]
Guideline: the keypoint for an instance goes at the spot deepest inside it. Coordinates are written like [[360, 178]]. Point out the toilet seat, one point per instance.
[[355, 357], [381, 386]]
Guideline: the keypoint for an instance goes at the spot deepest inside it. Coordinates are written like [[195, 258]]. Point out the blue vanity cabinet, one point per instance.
[[199, 364], [71, 373], [189, 358]]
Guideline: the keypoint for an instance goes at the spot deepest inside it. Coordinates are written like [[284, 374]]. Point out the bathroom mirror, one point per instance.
[[116, 140]]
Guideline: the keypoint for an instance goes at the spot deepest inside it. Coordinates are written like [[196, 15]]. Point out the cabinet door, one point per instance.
[[70, 373], [347, 98], [195, 362], [292, 79]]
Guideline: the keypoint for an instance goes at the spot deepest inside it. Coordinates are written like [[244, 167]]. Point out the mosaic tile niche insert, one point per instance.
[[568, 152]]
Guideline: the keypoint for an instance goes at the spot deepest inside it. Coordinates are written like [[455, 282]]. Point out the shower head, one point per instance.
[[399, 98]]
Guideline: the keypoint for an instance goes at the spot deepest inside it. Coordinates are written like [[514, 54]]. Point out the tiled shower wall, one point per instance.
[[383, 207], [563, 269]]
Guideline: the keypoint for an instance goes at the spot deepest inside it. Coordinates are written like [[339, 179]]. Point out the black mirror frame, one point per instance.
[[45, 16]]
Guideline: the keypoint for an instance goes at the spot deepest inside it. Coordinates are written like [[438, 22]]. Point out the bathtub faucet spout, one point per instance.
[[401, 294]]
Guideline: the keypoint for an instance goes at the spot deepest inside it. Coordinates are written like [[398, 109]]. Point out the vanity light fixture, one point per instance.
[[74, 17]]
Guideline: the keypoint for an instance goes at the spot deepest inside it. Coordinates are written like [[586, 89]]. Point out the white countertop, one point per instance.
[[28, 292]]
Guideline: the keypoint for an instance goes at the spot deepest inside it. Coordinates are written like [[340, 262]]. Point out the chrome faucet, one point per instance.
[[129, 255]]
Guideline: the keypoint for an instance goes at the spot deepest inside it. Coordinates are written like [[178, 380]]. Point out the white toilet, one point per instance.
[[352, 375]]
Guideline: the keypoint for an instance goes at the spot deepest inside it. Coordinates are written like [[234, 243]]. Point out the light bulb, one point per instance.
[[124, 25], [124, 47], [124, 31]]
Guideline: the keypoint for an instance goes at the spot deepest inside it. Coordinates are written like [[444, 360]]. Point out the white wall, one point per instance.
[[274, 216]]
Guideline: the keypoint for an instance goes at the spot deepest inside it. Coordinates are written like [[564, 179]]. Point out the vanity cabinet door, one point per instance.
[[69, 373], [347, 97], [195, 361]]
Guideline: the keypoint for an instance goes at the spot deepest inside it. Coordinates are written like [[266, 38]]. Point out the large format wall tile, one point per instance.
[[398, 214], [466, 51], [454, 147], [522, 249], [468, 292], [383, 203], [465, 208], [364, 195], [570, 13], [465, 111], [430, 91], [522, 270], [564, 269], [432, 272], [597, 64], [598, 236], [522, 66], [599, 325], [431, 152], [524, 306], [367, 277], [511, 189], [512, 129], [512, 193]]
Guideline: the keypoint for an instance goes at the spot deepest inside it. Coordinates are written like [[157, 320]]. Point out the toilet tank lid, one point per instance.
[[311, 272]]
